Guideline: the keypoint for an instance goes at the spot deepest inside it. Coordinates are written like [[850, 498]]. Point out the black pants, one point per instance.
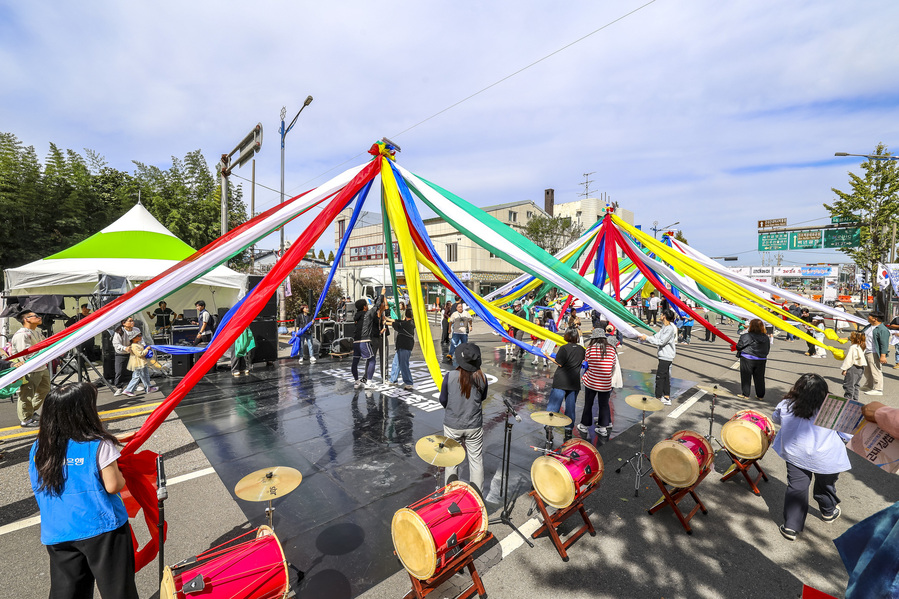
[[796, 497], [651, 316], [444, 335], [688, 334], [107, 559], [605, 412], [356, 357], [709, 335], [663, 379], [122, 374], [754, 370]]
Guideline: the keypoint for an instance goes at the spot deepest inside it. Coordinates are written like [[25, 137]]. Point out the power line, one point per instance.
[[482, 90]]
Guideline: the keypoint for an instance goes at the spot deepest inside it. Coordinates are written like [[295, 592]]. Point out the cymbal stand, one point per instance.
[[710, 438], [549, 437], [505, 515], [639, 456]]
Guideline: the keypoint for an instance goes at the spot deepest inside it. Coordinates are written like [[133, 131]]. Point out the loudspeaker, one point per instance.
[[327, 339], [222, 312], [270, 310], [181, 363], [265, 332]]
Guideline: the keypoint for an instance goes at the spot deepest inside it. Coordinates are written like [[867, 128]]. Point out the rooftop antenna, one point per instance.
[[586, 185]]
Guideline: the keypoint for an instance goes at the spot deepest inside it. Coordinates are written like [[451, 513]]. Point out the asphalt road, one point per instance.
[[735, 550]]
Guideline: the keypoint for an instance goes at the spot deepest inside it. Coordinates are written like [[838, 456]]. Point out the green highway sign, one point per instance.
[[773, 242], [842, 238], [805, 240], [839, 220]]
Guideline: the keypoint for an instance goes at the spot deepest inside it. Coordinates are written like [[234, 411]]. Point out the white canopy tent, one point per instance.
[[137, 247]]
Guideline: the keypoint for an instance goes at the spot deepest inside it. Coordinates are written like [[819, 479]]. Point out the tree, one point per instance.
[[321, 254], [679, 235], [303, 281], [874, 203], [331, 256], [552, 233]]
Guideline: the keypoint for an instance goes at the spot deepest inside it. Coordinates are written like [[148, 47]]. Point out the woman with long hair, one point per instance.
[[666, 340], [76, 481], [567, 378], [303, 319], [808, 450], [752, 349], [601, 358], [464, 390]]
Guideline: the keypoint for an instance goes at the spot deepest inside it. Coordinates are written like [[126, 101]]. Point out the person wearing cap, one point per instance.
[[517, 351], [567, 378], [877, 348], [36, 384], [464, 390], [601, 358]]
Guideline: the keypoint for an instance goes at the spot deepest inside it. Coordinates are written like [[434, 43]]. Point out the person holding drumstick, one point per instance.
[[464, 390], [76, 481]]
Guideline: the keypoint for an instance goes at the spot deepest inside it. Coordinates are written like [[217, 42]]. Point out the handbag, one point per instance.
[[617, 379]]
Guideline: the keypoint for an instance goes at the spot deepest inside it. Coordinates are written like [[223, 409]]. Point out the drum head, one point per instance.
[[553, 482], [414, 543], [674, 463], [167, 588], [744, 439]]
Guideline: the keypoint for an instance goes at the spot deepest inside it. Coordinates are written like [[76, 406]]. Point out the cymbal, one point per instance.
[[643, 402], [715, 390], [550, 419], [268, 483], [440, 451]]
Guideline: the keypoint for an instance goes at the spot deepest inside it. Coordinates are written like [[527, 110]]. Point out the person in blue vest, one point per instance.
[[76, 480]]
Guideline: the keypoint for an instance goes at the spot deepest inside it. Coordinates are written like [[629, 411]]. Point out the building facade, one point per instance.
[[364, 265]]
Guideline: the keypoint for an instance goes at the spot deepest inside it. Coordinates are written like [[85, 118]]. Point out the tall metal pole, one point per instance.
[[224, 223], [253, 215]]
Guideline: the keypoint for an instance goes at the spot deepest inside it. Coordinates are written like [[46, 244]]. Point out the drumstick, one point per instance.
[[553, 452]]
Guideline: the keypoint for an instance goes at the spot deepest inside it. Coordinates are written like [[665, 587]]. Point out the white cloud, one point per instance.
[[679, 108]]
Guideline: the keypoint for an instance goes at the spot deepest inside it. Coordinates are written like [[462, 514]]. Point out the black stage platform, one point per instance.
[[356, 453]]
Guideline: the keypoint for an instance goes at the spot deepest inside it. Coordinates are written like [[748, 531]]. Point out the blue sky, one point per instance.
[[711, 113]]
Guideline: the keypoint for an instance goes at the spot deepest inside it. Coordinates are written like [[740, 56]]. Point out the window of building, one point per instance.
[[452, 252], [578, 215], [492, 255], [530, 214], [513, 216]]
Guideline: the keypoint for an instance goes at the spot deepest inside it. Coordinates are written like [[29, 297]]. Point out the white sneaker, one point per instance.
[[312, 358], [666, 401], [409, 388], [300, 361], [602, 431], [140, 388], [873, 392], [118, 392], [583, 429], [357, 385]]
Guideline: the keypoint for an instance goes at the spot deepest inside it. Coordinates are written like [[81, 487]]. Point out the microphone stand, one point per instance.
[[162, 494], [505, 515]]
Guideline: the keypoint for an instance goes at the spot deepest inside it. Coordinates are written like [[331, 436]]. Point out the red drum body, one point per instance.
[[254, 569], [430, 532], [560, 477], [748, 434], [679, 459]]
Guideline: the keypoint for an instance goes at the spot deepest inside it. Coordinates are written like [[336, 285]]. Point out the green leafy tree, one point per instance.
[[321, 254], [552, 233], [679, 235], [331, 256], [874, 202], [306, 280]]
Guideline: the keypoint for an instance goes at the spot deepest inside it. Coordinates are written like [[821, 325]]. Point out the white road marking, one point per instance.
[[735, 365], [686, 405], [34, 520], [513, 541]]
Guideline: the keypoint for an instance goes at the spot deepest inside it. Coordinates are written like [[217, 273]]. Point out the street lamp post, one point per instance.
[[656, 228], [284, 131]]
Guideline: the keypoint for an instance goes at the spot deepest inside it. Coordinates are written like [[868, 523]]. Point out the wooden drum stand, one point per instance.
[[551, 522], [465, 559], [675, 495], [742, 466]]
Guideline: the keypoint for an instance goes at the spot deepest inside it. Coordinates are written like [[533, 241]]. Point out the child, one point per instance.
[[818, 334], [137, 364], [688, 328], [76, 480], [808, 450], [854, 365]]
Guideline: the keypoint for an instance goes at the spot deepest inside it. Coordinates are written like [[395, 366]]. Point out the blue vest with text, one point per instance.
[[84, 509]]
